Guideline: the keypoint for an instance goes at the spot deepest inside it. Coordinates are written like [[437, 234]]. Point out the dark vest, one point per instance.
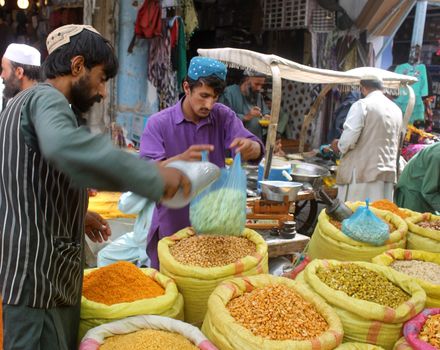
[[41, 220]]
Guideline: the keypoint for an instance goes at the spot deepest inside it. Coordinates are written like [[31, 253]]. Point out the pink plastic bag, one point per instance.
[[413, 327]]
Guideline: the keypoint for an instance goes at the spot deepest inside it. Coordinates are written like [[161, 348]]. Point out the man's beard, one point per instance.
[[12, 87], [80, 95], [252, 95]]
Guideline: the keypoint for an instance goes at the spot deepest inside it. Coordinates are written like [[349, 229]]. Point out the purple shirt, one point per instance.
[[168, 134]]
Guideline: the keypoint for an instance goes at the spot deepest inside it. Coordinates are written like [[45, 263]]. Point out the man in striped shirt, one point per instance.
[[48, 159]]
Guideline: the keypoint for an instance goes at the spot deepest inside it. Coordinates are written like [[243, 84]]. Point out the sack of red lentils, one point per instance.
[[423, 266], [372, 301], [146, 333], [121, 290], [402, 344], [329, 242], [198, 263], [423, 331], [423, 231]]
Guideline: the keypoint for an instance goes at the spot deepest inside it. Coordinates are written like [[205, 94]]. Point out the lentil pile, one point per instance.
[[121, 282], [431, 331], [433, 225], [148, 339], [361, 283], [385, 204], [276, 312], [424, 270], [211, 251]]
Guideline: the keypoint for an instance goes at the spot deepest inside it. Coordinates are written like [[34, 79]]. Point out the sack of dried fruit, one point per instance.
[[121, 290], [423, 232], [372, 301], [423, 331], [198, 263], [145, 333], [265, 312], [329, 242], [358, 346], [402, 344], [424, 267]]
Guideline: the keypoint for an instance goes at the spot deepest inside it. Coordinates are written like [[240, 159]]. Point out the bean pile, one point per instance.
[[148, 339], [424, 270], [433, 225], [431, 331], [361, 283], [211, 251], [276, 312], [338, 224]]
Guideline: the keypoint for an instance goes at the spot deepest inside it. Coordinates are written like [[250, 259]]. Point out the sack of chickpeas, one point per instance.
[[198, 263], [423, 232], [145, 333], [265, 312], [402, 344], [372, 301], [358, 346], [424, 267], [329, 242]]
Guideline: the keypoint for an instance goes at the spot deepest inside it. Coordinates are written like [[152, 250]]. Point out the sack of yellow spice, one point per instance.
[[196, 283], [289, 317], [328, 242], [420, 238], [120, 291], [418, 272], [146, 332], [393, 299]]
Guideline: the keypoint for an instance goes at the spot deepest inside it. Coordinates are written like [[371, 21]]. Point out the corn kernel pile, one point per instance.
[[148, 339], [431, 331], [361, 283], [211, 251], [424, 270], [276, 312]]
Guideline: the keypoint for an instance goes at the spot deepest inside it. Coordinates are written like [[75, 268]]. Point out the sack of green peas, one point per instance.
[[221, 208]]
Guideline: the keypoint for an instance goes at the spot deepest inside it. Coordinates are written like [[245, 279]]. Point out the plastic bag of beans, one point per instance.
[[358, 346], [198, 273], [329, 242], [422, 332], [162, 334], [393, 299], [290, 311], [170, 304], [420, 238], [424, 274]]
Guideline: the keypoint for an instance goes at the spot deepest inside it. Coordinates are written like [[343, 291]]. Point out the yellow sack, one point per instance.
[[420, 238], [170, 304], [328, 242], [358, 346], [402, 344], [222, 329], [365, 321], [197, 283], [432, 290]]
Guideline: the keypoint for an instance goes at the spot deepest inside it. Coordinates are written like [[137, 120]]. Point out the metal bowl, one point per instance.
[[306, 172], [277, 190]]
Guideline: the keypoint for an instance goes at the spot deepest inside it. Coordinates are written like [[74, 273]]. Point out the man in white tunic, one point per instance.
[[368, 145]]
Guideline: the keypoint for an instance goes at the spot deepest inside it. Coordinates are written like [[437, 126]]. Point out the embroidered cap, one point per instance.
[[201, 67], [23, 54], [62, 35], [251, 73]]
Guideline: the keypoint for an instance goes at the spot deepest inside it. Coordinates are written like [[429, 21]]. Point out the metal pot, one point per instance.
[[308, 173], [277, 190]]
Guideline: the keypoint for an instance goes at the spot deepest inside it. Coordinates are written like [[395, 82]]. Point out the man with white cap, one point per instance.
[[20, 68], [369, 145], [48, 159]]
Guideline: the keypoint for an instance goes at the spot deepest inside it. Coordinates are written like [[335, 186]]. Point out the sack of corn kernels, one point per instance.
[[424, 267], [423, 331], [402, 344], [145, 333], [358, 346], [121, 290], [198, 263], [372, 301], [329, 242], [265, 312], [423, 231]]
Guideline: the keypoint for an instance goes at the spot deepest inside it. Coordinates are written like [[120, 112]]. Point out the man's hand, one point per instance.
[[96, 227], [174, 180], [334, 146], [254, 112], [194, 153], [248, 148]]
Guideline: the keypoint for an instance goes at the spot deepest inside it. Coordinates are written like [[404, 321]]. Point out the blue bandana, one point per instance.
[[201, 67]]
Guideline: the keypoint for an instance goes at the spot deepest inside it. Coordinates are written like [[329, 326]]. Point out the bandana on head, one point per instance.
[[202, 67]]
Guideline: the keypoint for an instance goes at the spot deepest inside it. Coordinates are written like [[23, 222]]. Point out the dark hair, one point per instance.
[[217, 84], [94, 48], [32, 72], [372, 84]]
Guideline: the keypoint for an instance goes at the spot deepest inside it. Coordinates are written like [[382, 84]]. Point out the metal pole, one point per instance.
[[418, 29]]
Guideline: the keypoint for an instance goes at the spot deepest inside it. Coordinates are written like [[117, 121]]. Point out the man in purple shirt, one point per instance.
[[195, 124]]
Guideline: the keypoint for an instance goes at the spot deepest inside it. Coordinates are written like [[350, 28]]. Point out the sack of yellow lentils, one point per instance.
[[402, 344], [121, 290], [372, 301], [265, 312], [358, 346], [424, 267], [145, 333], [198, 263], [329, 242], [423, 232]]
